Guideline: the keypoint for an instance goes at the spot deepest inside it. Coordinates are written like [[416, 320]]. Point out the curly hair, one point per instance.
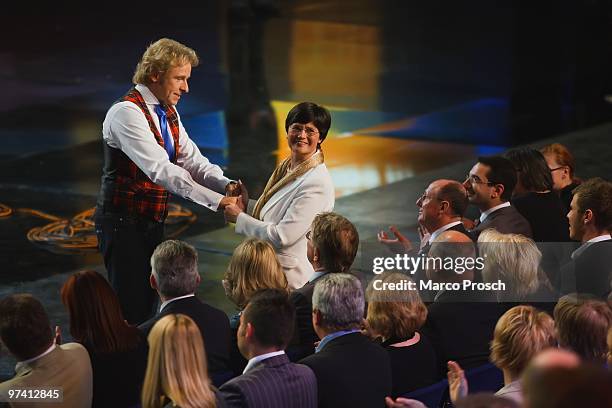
[[160, 56]]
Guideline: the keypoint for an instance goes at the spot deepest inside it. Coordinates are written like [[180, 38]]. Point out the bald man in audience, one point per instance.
[[441, 208]]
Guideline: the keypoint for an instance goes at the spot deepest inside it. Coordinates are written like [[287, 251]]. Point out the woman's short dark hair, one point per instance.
[[533, 171], [306, 112]]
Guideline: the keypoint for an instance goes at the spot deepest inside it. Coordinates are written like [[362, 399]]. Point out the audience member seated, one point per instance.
[[441, 208], [590, 221], [454, 313], [177, 372], [332, 244], [253, 266], [351, 370], [489, 186], [26, 333], [533, 196], [395, 317], [118, 351], [520, 334], [562, 167], [269, 380], [584, 386], [515, 260], [583, 325], [175, 277]]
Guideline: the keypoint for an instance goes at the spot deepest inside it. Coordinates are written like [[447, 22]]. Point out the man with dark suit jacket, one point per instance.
[[175, 277], [351, 370], [590, 220], [332, 245], [489, 185], [459, 323], [269, 380]]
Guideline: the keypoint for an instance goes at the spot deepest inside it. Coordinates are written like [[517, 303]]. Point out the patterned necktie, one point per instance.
[[163, 124]]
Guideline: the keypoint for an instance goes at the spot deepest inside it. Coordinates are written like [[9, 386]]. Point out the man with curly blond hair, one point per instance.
[[147, 155]]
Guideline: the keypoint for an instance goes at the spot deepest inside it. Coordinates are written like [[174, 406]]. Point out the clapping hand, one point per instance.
[[457, 384], [399, 245], [403, 403]]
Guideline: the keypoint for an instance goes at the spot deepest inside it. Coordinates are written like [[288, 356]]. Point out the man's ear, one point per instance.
[[588, 217], [198, 279], [316, 317], [249, 332], [444, 206], [154, 78], [153, 282], [498, 190]]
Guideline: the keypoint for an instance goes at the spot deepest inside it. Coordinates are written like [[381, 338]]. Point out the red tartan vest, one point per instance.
[[125, 188]]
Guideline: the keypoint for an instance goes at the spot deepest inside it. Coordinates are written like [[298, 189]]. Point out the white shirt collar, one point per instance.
[[261, 357], [316, 275], [49, 350], [600, 238], [440, 230], [147, 95], [485, 214], [163, 305], [588, 243]]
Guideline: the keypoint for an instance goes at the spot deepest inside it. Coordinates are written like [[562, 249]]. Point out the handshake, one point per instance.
[[235, 201]]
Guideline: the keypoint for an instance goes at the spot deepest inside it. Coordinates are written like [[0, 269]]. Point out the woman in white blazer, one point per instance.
[[298, 189]]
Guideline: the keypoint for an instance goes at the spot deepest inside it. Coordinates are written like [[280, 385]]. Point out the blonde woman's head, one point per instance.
[[512, 258], [176, 367], [520, 334], [253, 266]]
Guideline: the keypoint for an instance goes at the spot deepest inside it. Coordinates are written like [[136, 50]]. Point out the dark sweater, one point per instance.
[[412, 367]]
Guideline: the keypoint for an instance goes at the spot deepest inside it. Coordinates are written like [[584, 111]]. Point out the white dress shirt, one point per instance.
[[193, 176], [164, 304], [261, 357]]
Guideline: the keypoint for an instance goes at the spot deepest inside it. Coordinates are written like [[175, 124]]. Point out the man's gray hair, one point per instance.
[[340, 300], [175, 267]]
